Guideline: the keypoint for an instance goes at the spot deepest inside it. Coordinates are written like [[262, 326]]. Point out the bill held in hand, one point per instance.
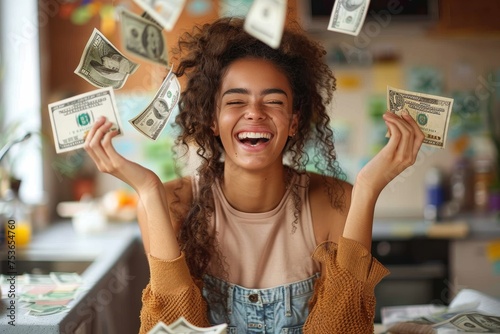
[[432, 113], [72, 118]]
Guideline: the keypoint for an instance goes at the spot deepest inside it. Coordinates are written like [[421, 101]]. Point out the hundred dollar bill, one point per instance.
[[432, 113], [154, 118], [348, 16], [474, 322], [182, 326], [143, 38], [102, 64], [72, 118], [266, 21], [165, 12]]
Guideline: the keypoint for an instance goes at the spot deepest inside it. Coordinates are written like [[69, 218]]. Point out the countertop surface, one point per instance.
[[60, 242], [467, 226]]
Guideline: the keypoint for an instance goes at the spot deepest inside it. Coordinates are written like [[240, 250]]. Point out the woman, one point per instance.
[[251, 241]]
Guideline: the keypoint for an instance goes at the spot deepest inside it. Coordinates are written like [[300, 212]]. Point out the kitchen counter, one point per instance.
[[470, 226], [106, 281], [118, 271]]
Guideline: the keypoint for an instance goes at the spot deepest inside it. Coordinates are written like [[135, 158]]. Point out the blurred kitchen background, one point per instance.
[[447, 47]]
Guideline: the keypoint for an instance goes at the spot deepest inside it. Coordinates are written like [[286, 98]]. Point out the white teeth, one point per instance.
[[244, 135]]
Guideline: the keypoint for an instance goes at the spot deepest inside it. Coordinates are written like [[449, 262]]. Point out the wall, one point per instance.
[[62, 44], [464, 64], [20, 95]]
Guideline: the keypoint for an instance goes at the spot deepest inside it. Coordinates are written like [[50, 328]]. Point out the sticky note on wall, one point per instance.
[[493, 254]]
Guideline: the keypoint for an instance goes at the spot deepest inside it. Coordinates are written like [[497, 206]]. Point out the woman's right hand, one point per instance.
[[157, 232], [98, 144]]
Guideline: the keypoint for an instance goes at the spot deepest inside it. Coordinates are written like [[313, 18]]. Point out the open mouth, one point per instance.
[[254, 138]]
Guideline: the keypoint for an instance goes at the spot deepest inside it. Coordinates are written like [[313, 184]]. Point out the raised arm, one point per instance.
[[171, 292], [157, 232], [344, 299], [399, 153]]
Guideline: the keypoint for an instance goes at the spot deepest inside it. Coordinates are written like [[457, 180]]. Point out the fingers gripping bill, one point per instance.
[[432, 113]]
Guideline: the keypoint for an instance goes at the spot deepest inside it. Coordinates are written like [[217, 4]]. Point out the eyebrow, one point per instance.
[[246, 91]]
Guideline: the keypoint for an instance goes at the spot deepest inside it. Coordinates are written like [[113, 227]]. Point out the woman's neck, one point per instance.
[[255, 191]]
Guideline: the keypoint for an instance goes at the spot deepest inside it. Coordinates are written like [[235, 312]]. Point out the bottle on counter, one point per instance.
[[461, 185], [18, 217], [483, 178], [434, 192]]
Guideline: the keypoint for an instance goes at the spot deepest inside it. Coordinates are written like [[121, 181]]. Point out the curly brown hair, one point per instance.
[[203, 56]]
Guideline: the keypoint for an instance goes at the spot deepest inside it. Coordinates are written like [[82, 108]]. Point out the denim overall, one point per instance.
[[278, 310]]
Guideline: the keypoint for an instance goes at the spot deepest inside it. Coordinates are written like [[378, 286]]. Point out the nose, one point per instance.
[[255, 112]]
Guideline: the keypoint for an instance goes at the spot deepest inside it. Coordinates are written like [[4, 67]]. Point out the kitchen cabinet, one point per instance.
[[430, 263], [112, 284], [418, 272], [464, 17], [113, 304]]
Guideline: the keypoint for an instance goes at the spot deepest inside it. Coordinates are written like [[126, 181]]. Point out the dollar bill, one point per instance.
[[432, 113], [165, 12], [266, 21], [182, 326], [348, 16], [154, 118], [475, 322], [143, 38], [102, 64], [72, 118], [453, 322], [148, 17], [66, 278]]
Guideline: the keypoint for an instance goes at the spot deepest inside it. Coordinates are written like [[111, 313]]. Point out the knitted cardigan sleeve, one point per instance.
[[344, 300], [170, 294]]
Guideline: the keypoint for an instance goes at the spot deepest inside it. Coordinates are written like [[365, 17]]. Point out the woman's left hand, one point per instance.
[[399, 153]]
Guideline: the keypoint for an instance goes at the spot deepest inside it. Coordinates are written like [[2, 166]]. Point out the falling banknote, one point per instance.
[[72, 118], [348, 16], [165, 12], [266, 21], [182, 326], [143, 38], [102, 64], [154, 118], [432, 113]]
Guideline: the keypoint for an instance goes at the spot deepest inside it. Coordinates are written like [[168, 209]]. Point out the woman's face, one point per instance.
[[254, 113]]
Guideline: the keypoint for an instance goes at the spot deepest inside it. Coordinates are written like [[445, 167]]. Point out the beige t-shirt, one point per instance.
[[264, 250]]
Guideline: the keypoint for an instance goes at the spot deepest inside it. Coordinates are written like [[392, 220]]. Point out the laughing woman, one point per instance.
[[253, 239]]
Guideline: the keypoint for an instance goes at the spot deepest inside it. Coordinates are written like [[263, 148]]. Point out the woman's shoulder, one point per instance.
[[329, 200], [179, 194], [318, 183], [181, 186]]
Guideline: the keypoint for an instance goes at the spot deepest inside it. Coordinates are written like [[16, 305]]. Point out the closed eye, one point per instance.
[[234, 102]]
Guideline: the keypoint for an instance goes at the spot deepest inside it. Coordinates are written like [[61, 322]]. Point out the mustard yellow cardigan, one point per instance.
[[343, 299]]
